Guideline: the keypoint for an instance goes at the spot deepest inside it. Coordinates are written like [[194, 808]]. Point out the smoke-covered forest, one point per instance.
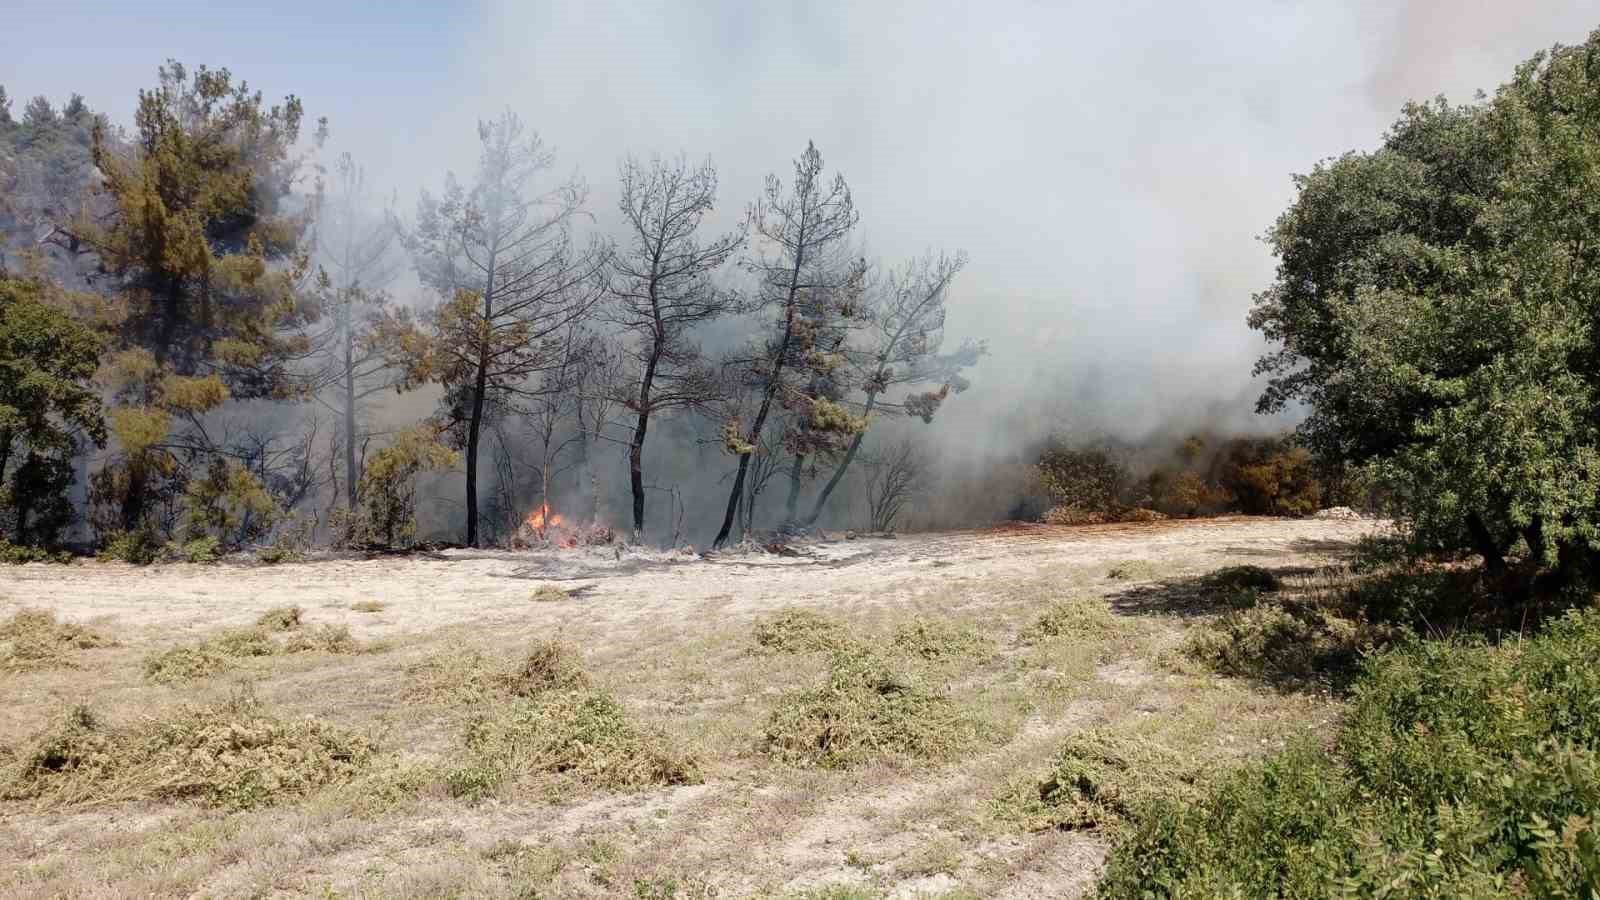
[[917, 510], [242, 342]]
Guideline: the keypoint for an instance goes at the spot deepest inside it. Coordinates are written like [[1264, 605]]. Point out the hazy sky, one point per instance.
[[1108, 166]]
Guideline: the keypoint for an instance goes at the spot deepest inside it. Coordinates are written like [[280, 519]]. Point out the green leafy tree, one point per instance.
[[48, 407], [1434, 307], [205, 243]]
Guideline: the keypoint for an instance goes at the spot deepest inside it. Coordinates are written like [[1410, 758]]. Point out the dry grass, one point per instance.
[[33, 639], [368, 606], [670, 760], [549, 593]]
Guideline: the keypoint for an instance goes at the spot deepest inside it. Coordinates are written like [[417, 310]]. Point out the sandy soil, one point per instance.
[[636, 587], [671, 633]]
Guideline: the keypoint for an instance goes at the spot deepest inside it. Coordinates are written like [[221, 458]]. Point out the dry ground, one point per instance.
[[672, 636]]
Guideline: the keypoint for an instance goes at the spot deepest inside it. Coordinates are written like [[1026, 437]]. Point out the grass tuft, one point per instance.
[[863, 710], [1132, 570], [233, 755], [368, 606], [549, 593], [801, 631], [33, 639]]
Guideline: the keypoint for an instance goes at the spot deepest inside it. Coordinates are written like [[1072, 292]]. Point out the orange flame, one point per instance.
[[542, 518]]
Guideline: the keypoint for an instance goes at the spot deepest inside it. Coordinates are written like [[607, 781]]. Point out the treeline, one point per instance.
[[1197, 475], [202, 329]]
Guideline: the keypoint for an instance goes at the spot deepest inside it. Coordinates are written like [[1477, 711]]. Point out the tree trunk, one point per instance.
[[474, 425], [636, 447], [793, 500], [838, 474], [350, 474], [1494, 557], [733, 502]]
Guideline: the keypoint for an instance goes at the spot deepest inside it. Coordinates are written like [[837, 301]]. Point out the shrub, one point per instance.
[[1269, 477], [18, 554], [934, 639], [1238, 578], [202, 549], [801, 631], [1461, 770], [1089, 479], [229, 505], [1078, 618], [141, 546], [863, 710], [33, 639], [582, 734], [387, 489], [232, 755]]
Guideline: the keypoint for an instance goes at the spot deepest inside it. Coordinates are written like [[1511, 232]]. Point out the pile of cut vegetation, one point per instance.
[[802, 631], [1463, 769], [232, 755], [1099, 779], [548, 718], [1077, 617], [937, 640], [278, 630], [33, 639], [865, 709]]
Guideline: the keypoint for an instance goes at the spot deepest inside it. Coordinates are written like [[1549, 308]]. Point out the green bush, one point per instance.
[[18, 554], [1463, 769], [141, 546], [801, 631]]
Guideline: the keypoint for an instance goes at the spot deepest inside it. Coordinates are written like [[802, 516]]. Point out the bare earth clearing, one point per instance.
[[671, 635]]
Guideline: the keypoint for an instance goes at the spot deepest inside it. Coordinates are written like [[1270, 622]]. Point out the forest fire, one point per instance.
[[542, 518]]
